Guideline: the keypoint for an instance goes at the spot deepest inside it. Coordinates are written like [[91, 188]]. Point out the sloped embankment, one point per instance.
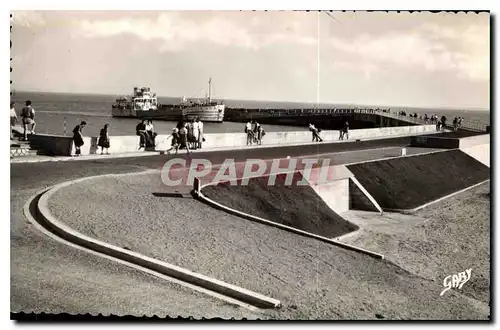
[[291, 205], [408, 182]]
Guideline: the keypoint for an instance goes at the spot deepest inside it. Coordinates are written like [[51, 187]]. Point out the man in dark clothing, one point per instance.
[[443, 122], [28, 116], [140, 130], [345, 130]]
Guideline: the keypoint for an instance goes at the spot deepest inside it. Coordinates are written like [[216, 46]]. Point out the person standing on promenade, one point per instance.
[[150, 135], [13, 118], [248, 131], [104, 139], [189, 127], [183, 138], [28, 115], [443, 122], [78, 137], [345, 130], [201, 139], [196, 133], [260, 134]]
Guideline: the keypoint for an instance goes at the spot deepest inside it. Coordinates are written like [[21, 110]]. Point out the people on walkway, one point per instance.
[[103, 141], [78, 137], [28, 115], [315, 133], [13, 119], [140, 130]]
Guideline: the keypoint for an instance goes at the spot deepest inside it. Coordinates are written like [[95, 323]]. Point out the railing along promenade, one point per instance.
[[267, 113]]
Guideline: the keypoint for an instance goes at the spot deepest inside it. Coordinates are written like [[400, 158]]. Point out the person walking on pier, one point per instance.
[[201, 139], [13, 119], [443, 122], [260, 134], [345, 131], [78, 137], [455, 123], [103, 141], [196, 133], [175, 140], [248, 131], [183, 138], [315, 133], [28, 115]]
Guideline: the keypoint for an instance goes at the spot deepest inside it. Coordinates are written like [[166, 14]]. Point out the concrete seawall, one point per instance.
[[63, 145]]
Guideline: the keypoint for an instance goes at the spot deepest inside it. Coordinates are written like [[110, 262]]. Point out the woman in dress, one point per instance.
[[104, 139], [78, 137]]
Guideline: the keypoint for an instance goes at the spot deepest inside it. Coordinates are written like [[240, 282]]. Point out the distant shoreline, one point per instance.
[[304, 103]]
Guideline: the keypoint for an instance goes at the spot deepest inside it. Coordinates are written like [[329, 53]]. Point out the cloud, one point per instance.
[[175, 32], [431, 47], [27, 18]]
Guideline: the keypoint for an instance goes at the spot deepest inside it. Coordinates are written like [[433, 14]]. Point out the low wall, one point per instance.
[[63, 146], [477, 147], [474, 141], [239, 139]]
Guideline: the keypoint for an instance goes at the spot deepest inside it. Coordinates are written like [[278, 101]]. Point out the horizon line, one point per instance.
[[274, 101]]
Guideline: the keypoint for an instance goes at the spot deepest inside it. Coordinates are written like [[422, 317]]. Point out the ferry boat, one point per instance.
[[144, 104]]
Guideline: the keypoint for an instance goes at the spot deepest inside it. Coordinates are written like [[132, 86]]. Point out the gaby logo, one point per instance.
[[456, 280]]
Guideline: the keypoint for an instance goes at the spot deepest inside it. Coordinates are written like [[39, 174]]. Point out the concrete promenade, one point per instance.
[[47, 276], [51, 277]]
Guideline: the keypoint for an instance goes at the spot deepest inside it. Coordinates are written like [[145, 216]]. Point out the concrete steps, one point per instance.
[[22, 148]]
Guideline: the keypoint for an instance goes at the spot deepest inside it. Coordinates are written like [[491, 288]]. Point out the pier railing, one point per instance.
[[266, 113]]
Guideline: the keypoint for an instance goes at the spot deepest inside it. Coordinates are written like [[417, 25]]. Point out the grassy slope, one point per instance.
[[296, 206], [405, 183]]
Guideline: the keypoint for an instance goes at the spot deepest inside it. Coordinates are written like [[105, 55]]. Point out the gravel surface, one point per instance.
[[314, 280], [291, 205], [47, 276], [50, 277], [440, 240], [408, 182]]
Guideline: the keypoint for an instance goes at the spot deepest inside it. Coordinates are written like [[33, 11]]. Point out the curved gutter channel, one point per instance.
[[197, 192], [37, 213]]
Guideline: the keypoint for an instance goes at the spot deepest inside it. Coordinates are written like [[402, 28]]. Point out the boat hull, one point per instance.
[[206, 113]]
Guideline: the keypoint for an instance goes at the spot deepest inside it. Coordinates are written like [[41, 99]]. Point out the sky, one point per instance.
[[394, 59]]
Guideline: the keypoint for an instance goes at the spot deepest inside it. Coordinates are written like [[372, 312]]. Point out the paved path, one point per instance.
[[51, 277]]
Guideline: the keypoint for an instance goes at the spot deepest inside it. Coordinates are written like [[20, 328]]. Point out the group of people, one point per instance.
[[457, 123], [254, 133], [27, 117], [102, 142], [187, 135], [145, 130], [344, 132], [315, 133]]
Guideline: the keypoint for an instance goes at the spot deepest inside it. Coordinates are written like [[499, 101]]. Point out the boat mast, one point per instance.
[[210, 90]]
